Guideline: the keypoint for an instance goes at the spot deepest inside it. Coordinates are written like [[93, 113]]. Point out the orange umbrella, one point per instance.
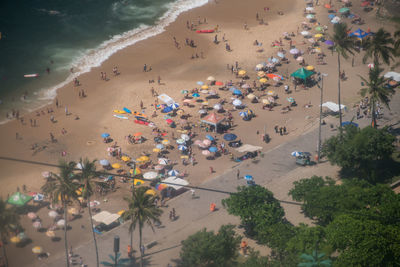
[[137, 134], [328, 6]]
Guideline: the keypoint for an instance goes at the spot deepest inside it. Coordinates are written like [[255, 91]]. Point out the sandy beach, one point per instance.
[[80, 121]]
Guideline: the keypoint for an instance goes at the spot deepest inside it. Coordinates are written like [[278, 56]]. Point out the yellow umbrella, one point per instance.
[[266, 101], [156, 150], [79, 191], [242, 72], [116, 165], [50, 233], [318, 35], [205, 87], [72, 211], [15, 239], [310, 67], [142, 159], [138, 182], [205, 103], [263, 80], [125, 158], [260, 74], [37, 250], [184, 157], [137, 171], [318, 49], [165, 142], [121, 212], [271, 92], [151, 192]]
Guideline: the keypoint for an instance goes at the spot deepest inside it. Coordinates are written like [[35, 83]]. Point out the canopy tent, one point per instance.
[[19, 199], [360, 34], [333, 106], [248, 148], [302, 73], [176, 183], [392, 75], [106, 217], [213, 119]]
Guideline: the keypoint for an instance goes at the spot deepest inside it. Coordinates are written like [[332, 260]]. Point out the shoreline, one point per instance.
[[178, 72]]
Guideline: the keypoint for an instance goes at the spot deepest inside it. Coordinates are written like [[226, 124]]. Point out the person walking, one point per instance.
[[238, 174]]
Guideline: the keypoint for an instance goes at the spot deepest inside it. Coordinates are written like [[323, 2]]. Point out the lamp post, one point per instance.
[[116, 249], [321, 87]]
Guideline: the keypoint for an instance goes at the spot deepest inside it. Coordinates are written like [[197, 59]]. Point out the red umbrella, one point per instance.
[[169, 121], [365, 3]]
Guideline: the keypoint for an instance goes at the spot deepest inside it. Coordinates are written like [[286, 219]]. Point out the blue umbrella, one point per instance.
[[213, 149], [329, 42], [195, 95], [104, 162], [173, 173], [182, 147], [237, 92], [273, 60], [349, 123], [230, 137], [160, 146], [209, 137], [233, 88], [280, 54], [166, 110], [105, 135], [243, 113], [200, 83], [248, 177], [331, 16]]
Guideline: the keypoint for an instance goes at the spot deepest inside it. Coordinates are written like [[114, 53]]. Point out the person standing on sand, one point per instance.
[[159, 79], [145, 68], [238, 174]]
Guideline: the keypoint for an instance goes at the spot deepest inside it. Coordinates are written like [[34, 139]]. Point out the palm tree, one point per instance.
[[343, 44], [62, 188], [376, 90], [141, 210], [379, 46], [8, 219], [86, 176], [314, 260]]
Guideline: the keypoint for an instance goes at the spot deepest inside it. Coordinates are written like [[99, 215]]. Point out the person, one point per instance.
[[192, 193], [212, 207], [144, 68], [238, 174]]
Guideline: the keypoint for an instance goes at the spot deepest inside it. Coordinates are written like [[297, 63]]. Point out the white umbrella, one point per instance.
[[182, 147], [202, 111], [294, 51], [237, 102], [61, 222], [309, 8], [94, 203], [392, 75], [159, 167], [310, 16], [305, 33], [206, 142], [246, 86], [163, 161], [259, 66], [180, 141], [205, 152], [299, 59], [150, 175], [211, 78], [217, 106], [335, 20], [46, 174], [185, 137], [53, 213]]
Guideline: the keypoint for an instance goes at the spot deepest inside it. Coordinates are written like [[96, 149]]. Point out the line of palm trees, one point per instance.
[[382, 49], [62, 189]]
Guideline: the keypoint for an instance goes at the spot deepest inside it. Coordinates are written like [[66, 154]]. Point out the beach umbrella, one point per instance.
[[182, 147], [159, 167], [94, 203], [213, 149], [265, 101], [242, 72], [38, 197], [211, 78], [202, 111], [294, 51], [259, 66], [309, 8], [46, 174], [205, 87], [217, 106], [290, 99], [237, 102], [251, 96], [105, 135], [151, 192], [138, 182], [200, 83], [335, 20], [237, 92], [318, 28], [32, 215], [329, 42], [261, 74], [150, 175], [328, 6], [185, 137], [209, 137], [37, 225], [116, 165], [184, 92], [50, 233], [135, 171], [125, 158], [248, 177], [206, 142], [344, 10], [246, 86], [243, 113], [204, 103], [365, 3], [195, 95], [310, 67], [349, 123], [295, 153], [19, 199], [331, 16], [263, 80], [37, 250], [160, 186], [310, 16], [198, 142], [270, 65], [271, 93], [305, 33], [160, 146], [392, 75], [163, 161], [72, 211], [53, 214], [180, 141], [173, 173], [274, 75], [205, 152], [302, 73], [15, 239], [319, 35], [219, 83], [230, 137], [371, 65], [280, 54], [104, 162], [143, 159]]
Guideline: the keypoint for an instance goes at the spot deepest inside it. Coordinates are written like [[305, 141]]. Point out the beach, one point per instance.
[[79, 121]]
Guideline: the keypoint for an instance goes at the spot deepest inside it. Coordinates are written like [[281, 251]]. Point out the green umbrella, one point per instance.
[[19, 199], [344, 10], [302, 73], [318, 28]]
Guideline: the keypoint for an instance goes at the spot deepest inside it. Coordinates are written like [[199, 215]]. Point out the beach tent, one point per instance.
[[333, 106], [213, 119], [166, 99], [302, 73], [392, 75], [360, 34], [174, 182], [19, 199]]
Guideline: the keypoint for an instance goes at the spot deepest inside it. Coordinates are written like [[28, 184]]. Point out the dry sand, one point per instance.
[[178, 72]]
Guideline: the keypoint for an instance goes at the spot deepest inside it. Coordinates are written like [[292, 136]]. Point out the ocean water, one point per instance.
[[49, 37]]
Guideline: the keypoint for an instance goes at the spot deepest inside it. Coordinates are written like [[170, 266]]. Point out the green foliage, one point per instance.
[[259, 211], [361, 153], [120, 261], [304, 186], [379, 46], [314, 260], [255, 260], [343, 43], [305, 239], [205, 248], [364, 242]]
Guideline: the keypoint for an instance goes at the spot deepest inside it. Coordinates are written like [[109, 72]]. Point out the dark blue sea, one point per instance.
[[49, 37]]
